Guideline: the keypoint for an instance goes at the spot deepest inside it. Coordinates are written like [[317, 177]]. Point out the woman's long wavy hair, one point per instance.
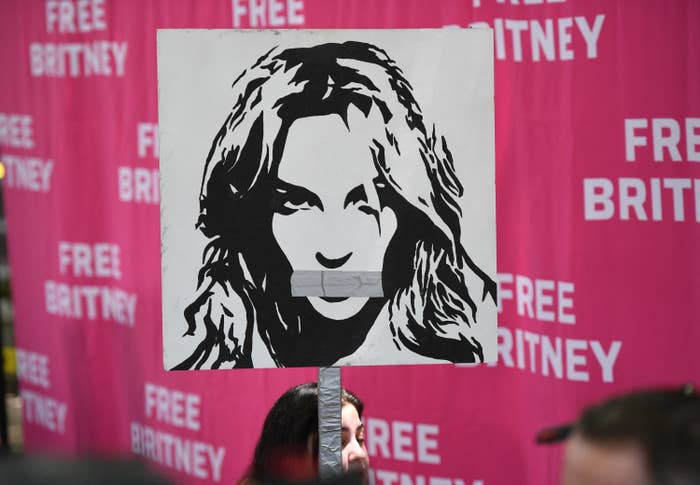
[[431, 309]]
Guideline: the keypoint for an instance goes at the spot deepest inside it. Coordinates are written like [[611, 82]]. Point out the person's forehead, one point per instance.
[[589, 463], [350, 417], [325, 156]]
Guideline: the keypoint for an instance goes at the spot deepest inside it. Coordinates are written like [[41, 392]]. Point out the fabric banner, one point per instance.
[[597, 130]]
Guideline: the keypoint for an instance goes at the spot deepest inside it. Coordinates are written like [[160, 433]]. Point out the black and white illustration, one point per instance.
[[327, 198]]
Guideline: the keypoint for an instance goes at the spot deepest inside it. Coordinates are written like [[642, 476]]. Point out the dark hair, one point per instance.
[[665, 423], [290, 426]]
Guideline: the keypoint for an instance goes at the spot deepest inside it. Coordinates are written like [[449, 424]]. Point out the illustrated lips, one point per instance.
[[333, 263], [333, 299]]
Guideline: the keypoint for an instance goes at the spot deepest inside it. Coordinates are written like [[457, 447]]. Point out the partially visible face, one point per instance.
[[327, 212], [354, 454], [589, 463]]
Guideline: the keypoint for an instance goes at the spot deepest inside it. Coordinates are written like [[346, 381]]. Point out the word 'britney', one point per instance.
[[562, 358], [75, 59], [545, 40], [91, 302], [195, 458]]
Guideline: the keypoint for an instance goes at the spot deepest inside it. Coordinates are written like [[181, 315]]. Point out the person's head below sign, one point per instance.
[[641, 438], [326, 163], [288, 447]]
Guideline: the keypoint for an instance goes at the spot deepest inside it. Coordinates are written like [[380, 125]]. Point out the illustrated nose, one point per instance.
[[332, 263]]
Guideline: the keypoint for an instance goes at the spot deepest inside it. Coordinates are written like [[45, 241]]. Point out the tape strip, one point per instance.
[[337, 283], [329, 422]]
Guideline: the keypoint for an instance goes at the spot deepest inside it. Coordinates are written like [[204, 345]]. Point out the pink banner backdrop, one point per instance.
[[598, 209]]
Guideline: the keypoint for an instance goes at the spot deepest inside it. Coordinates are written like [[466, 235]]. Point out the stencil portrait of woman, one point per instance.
[[326, 163]]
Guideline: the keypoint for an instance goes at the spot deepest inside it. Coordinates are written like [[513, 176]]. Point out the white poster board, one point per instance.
[[327, 197]]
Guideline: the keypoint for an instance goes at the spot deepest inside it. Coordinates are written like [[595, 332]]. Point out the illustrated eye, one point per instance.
[[288, 199], [369, 210], [358, 197], [355, 196], [290, 207]]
